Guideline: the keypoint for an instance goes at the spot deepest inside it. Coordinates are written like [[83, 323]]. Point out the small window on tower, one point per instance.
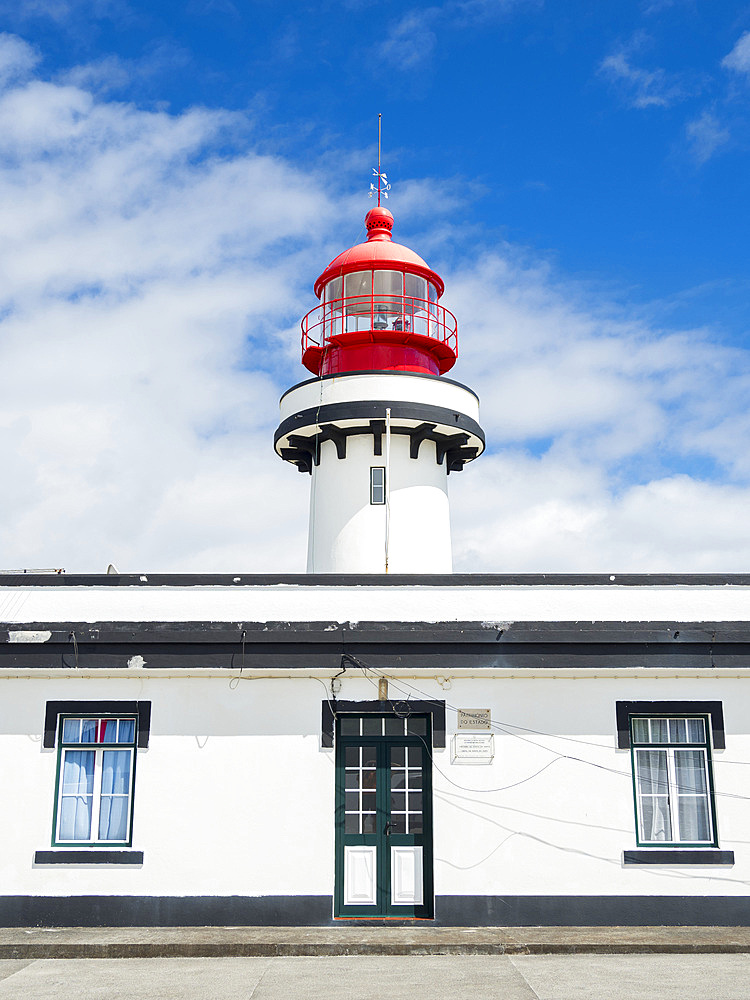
[[377, 484]]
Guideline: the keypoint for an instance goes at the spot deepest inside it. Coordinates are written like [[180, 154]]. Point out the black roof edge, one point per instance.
[[375, 580]]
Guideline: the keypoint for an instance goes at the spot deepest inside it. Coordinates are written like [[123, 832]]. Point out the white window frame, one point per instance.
[[669, 748], [98, 749]]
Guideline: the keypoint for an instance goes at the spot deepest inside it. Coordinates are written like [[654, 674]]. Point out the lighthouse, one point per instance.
[[379, 427]]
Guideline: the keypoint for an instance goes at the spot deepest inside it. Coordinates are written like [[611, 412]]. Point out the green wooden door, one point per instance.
[[383, 817]]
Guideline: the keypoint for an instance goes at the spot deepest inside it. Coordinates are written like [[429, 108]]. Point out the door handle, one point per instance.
[[387, 827]]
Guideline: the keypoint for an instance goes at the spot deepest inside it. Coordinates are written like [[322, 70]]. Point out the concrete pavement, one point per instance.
[[347, 939], [431, 977]]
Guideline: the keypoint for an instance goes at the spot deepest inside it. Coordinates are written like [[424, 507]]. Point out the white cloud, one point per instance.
[[639, 87], [17, 58], [706, 135], [151, 281], [739, 58]]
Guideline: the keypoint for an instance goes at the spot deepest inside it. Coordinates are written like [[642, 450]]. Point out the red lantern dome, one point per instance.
[[379, 310]]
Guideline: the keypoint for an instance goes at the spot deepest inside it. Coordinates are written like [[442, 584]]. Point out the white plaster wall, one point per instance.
[[232, 797], [402, 386], [554, 811], [347, 533], [235, 797], [304, 602]]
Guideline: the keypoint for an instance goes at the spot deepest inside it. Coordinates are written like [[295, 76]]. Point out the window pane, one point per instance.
[[659, 731], [696, 731], [108, 731], [116, 772], [389, 283], [655, 821], [652, 772], [88, 730], [677, 731], [71, 731], [415, 286], [417, 725], [332, 290], [126, 733], [640, 731], [394, 726], [349, 726], [691, 771], [113, 817], [693, 818], [77, 798], [358, 284]]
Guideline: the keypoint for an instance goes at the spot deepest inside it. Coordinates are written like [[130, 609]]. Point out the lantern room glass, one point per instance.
[[380, 300]]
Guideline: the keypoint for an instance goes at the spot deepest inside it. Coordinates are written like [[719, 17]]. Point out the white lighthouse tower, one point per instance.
[[379, 428]]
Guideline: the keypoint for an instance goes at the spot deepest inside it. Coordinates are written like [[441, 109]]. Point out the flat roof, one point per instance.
[[339, 580]]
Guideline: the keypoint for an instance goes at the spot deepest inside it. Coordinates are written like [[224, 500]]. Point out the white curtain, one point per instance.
[[653, 794], [113, 812], [77, 796]]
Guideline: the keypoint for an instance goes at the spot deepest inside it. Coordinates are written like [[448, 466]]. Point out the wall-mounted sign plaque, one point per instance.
[[474, 718], [472, 748]]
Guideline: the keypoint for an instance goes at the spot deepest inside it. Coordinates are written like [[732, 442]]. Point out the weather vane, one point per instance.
[[383, 186]]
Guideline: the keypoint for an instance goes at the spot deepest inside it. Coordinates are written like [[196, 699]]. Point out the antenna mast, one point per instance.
[[383, 186]]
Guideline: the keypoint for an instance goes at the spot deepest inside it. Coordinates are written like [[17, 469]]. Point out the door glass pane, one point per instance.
[[398, 823], [372, 725], [417, 725], [415, 778], [394, 726], [398, 756], [398, 801], [349, 725], [71, 731], [360, 778]]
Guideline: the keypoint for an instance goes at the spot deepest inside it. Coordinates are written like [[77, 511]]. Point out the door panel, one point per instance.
[[360, 883], [407, 876], [383, 817]]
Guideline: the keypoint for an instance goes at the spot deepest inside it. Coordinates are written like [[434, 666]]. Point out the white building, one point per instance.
[[378, 738]]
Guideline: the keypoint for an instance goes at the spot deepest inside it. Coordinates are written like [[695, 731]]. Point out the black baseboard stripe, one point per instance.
[[316, 911]]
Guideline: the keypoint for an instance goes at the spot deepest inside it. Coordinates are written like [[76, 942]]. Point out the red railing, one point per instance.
[[374, 313]]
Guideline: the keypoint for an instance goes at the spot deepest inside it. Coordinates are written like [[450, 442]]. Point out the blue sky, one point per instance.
[[173, 176]]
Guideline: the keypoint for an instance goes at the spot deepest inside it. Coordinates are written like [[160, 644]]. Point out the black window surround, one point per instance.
[[93, 856], [57, 708], [676, 856], [713, 709], [331, 708]]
